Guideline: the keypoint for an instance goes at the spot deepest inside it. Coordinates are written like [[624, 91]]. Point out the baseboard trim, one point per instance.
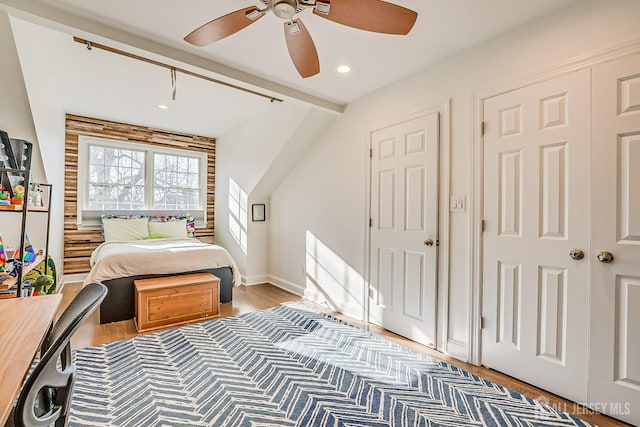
[[256, 280], [294, 288], [71, 278], [350, 309], [343, 307]]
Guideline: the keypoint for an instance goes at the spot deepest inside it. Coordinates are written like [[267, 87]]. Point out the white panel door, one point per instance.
[[536, 204], [614, 374], [404, 217]]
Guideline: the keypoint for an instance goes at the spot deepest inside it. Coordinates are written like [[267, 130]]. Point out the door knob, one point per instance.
[[605, 257], [576, 254], [428, 242]]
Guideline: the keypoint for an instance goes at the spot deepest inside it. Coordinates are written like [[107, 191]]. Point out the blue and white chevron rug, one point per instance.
[[287, 366]]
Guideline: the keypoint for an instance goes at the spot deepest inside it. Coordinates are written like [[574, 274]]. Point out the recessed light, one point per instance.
[[163, 107], [344, 69]]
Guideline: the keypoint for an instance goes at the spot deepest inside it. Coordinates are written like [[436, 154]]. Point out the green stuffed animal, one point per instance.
[[43, 284]]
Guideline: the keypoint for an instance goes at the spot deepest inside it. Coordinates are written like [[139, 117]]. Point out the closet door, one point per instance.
[[404, 228], [536, 211], [614, 374]]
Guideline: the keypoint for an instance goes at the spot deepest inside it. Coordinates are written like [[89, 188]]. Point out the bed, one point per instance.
[[117, 264]]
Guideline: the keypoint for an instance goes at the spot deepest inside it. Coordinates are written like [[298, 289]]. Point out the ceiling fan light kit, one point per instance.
[[285, 9], [371, 15]]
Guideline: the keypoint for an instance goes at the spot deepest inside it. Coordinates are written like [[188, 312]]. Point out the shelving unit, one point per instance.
[[20, 209]]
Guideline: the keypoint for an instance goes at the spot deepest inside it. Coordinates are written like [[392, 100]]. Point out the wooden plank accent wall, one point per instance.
[[78, 244]]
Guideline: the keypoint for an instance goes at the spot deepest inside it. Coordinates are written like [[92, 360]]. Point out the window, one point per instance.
[[177, 184], [116, 178], [123, 177]]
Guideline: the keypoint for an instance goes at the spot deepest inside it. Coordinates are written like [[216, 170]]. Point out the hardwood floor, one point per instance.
[[252, 298]]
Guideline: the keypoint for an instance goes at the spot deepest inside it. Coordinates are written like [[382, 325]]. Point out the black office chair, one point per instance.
[[45, 397]]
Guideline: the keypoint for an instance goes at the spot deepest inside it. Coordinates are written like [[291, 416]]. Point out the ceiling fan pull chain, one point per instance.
[[173, 84]]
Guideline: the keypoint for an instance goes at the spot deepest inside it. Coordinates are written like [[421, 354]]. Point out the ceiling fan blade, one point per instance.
[[371, 15], [223, 26], [301, 48]]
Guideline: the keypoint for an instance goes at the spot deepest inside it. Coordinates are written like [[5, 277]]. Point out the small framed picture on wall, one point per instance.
[[258, 212]]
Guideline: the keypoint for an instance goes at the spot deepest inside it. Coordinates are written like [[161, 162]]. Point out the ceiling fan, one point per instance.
[[370, 15]]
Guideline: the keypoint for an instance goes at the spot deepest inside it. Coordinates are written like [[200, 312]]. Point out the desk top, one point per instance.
[[23, 324]]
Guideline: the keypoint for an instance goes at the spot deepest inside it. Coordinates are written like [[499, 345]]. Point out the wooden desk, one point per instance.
[[23, 325]]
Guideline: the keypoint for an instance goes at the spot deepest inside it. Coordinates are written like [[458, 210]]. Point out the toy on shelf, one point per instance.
[[3, 256], [16, 267], [35, 195], [43, 284], [29, 256], [18, 195], [43, 268], [4, 196]]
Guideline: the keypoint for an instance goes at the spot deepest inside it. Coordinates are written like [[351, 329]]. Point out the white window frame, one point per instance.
[[87, 218]]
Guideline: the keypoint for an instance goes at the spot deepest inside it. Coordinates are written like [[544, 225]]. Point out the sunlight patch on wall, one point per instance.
[[238, 214], [328, 274]]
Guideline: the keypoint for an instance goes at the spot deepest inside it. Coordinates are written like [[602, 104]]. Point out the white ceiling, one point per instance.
[[100, 84], [444, 28]]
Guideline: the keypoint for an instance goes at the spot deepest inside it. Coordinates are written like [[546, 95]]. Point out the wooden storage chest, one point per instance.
[[173, 300]]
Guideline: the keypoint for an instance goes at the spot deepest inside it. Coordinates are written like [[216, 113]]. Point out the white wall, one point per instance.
[[49, 120], [244, 154], [323, 198], [16, 120], [257, 155]]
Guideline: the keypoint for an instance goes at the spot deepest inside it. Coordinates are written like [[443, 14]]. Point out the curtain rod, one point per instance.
[[91, 44]]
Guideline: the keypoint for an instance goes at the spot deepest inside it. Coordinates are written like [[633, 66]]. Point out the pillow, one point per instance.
[[187, 220], [154, 236], [117, 216], [123, 229], [175, 228]]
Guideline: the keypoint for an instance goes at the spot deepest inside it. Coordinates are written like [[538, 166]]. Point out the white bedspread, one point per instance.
[[157, 256]]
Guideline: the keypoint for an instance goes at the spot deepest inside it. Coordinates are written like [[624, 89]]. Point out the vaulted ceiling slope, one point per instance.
[[100, 84], [62, 76], [443, 28]]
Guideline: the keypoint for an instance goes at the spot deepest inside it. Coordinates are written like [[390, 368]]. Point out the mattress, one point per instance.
[[118, 264], [112, 260]]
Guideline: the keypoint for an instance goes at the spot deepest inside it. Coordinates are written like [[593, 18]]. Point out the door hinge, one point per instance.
[[483, 128], [482, 322], [482, 226], [371, 153], [370, 222], [370, 293]]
